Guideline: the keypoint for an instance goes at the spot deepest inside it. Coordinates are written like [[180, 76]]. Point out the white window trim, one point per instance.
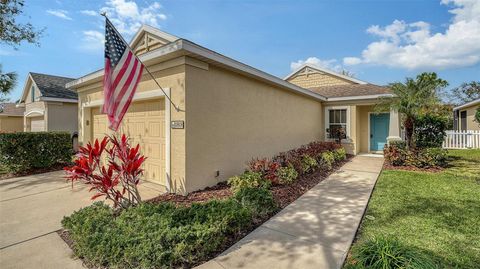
[[327, 122]]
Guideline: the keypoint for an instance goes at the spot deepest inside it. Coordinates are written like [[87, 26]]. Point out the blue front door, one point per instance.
[[379, 130]]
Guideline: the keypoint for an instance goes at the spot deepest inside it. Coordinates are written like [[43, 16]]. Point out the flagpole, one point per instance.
[[104, 14]]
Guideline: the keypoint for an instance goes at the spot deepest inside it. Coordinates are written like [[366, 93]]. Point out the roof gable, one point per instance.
[[308, 69], [49, 86], [149, 38]]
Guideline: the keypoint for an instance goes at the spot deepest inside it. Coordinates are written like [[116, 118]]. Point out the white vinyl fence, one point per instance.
[[462, 140]]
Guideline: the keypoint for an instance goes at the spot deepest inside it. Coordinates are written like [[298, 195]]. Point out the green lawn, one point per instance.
[[438, 213]]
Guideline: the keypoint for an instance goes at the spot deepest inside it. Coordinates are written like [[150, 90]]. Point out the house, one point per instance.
[[229, 112], [464, 116], [49, 106], [11, 118]]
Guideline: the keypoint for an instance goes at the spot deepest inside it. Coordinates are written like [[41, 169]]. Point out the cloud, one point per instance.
[[331, 64], [59, 13], [127, 16], [93, 40], [89, 12], [414, 46]]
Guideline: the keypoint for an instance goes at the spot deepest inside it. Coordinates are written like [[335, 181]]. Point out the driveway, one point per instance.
[[31, 209]]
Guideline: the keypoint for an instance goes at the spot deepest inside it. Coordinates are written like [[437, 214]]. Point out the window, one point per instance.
[[32, 93], [337, 118], [463, 120]]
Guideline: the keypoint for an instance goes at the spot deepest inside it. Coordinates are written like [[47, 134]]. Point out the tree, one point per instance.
[[7, 81], [413, 98], [347, 73], [11, 32], [466, 92]]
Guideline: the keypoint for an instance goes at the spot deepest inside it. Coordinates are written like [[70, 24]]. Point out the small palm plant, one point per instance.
[[413, 98]]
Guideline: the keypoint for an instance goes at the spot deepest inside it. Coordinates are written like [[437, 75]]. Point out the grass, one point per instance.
[[438, 213]]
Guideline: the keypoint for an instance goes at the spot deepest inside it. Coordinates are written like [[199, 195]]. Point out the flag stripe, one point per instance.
[[128, 100], [107, 86], [121, 71], [123, 79], [125, 85], [128, 90]]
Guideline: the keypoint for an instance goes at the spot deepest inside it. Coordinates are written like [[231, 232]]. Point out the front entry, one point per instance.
[[378, 130]]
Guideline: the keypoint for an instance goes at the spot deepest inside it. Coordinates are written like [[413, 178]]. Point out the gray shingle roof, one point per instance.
[[351, 90], [53, 86], [11, 109]]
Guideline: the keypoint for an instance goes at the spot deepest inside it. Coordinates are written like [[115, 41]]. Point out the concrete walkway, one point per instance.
[[31, 209], [315, 231]]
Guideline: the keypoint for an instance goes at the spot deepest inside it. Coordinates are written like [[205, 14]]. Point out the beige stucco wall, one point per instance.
[[232, 118], [28, 98], [170, 75], [317, 80], [362, 130], [11, 124], [471, 123], [62, 117]]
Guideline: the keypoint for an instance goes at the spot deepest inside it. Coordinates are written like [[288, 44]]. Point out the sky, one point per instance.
[[380, 41]]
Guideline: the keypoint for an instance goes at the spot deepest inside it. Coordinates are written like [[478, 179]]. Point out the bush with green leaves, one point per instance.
[[287, 174], [259, 200], [339, 154], [326, 160], [387, 253], [156, 235], [248, 179], [24, 151], [429, 130], [308, 164]]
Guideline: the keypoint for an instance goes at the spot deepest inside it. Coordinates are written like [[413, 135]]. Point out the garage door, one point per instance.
[[144, 123], [37, 124]]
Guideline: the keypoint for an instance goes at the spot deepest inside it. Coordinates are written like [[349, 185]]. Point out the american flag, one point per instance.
[[123, 71]]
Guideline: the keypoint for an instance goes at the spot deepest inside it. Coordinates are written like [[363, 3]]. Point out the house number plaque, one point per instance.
[[177, 124]]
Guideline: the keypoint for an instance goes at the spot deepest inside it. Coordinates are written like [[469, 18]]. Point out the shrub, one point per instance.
[[118, 179], [326, 160], [23, 151], [395, 154], [287, 175], [421, 158], [308, 164], [381, 253], [155, 235], [429, 130], [260, 201], [339, 154], [248, 179], [266, 168], [427, 158]]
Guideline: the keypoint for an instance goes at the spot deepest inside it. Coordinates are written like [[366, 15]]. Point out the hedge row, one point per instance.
[[26, 150]]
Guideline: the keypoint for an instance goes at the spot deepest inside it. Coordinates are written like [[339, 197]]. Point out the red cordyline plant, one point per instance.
[[116, 179]]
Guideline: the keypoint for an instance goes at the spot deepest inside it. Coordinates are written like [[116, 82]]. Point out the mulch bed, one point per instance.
[[35, 171], [387, 166], [283, 194]]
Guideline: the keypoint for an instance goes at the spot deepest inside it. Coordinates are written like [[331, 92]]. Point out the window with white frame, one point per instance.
[[337, 118]]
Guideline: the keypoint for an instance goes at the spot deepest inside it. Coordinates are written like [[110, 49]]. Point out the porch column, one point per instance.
[[394, 127]]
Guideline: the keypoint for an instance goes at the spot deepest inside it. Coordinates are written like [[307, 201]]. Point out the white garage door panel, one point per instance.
[[37, 124], [144, 123]]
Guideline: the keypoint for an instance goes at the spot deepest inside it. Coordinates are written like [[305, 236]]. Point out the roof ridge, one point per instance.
[[43, 74]]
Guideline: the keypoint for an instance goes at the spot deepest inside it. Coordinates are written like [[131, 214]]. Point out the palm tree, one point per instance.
[[413, 98]]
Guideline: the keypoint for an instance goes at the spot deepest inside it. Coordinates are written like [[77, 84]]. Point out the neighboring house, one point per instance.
[[229, 112], [49, 106], [11, 118], [464, 116]]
